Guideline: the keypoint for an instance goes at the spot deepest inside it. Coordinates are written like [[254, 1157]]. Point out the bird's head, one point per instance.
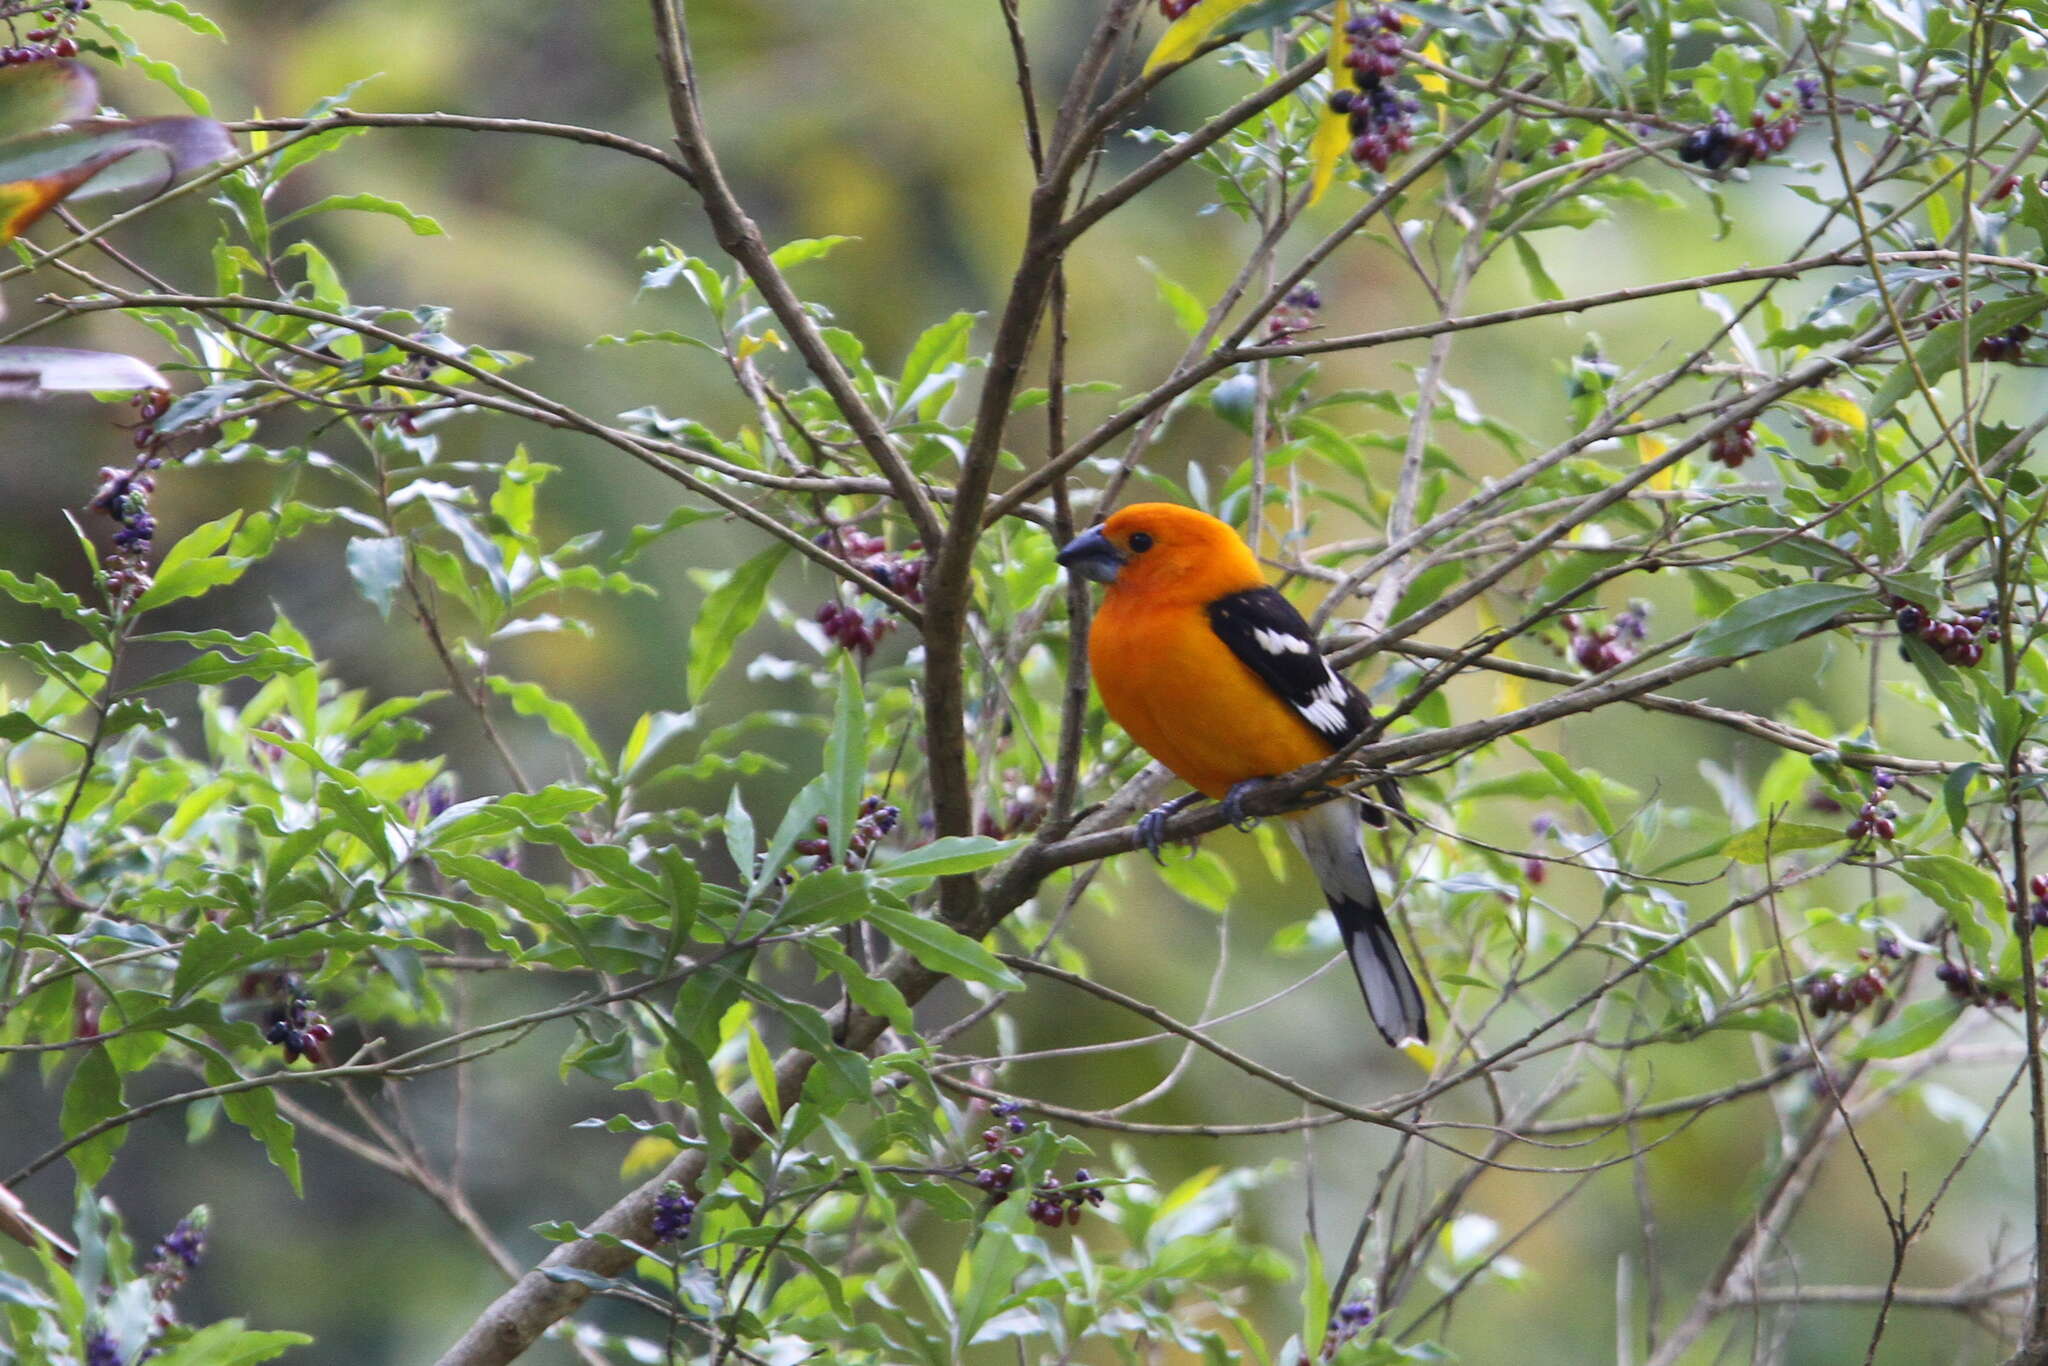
[[1164, 551]]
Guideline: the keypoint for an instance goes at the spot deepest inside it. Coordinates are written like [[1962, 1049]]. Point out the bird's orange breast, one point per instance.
[[1179, 692]]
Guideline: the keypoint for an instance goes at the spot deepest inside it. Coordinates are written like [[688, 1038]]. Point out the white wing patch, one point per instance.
[[1280, 642], [1325, 708]]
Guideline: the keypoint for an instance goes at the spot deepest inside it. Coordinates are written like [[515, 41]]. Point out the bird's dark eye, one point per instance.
[[1140, 542]]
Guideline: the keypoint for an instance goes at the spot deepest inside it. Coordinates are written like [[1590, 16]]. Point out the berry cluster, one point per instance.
[[1353, 1317], [1613, 645], [53, 39], [1843, 993], [1534, 869], [1958, 640], [849, 627], [100, 1349], [876, 820], [1000, 1175], [1969, 985], [302, 1031], [1174, 9], [1295, 315], [2008, 345], [674, 1211], [1880, 814], [123, 495], [1023, 812], [1809, 93], [1053, 1203], [2037, 912], [430, 803], [178, 1253], [1719, 144], [1379, 114], [1733, 444], [852, 629]]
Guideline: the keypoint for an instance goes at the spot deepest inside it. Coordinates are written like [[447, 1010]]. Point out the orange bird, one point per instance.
[[1219, 678]]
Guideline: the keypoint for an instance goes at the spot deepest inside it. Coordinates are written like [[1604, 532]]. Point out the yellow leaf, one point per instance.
[[1508, 691], [1650, 448], [649, 1154], [1429, 80], [1333, 130], [1839, 409], [1333, 136], [1185, 35], [751, 344], [1509, 694]]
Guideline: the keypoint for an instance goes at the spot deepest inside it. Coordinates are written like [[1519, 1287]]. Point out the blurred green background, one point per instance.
[[898, 124]]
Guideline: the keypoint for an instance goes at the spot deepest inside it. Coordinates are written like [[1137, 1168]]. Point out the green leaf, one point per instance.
[[813, 1034], [93, 1095], [805, 249], [256, 1111], [730, 609], [1963, 890], [876, 995], [214, 667], [1189, 313], [421, 224], [1941, 352], [1768, 840], [830, 896], [531, 699], [1916, 1027], [377, 564], [939, 347], [1532, 266], [191, 568], [228, 1343], [947, 855], [1578, 783], [942, 949], [172, 10], [1315, 1293], [198, 543], [846, 758], [986, 1281], [1774, 618], [640, 537], [487, 877], [1955, 795]]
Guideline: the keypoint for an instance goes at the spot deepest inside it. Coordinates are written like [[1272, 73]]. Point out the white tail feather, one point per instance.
[[1328, 836]]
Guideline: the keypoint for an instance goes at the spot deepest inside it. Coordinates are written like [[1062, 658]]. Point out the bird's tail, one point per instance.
[[1328, 836]]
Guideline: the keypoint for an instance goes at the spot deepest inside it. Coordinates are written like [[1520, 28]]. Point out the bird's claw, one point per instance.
[[1152, 826], [1233, 803]]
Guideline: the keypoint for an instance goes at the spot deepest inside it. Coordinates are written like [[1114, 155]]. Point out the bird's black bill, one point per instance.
[[1093, 555]]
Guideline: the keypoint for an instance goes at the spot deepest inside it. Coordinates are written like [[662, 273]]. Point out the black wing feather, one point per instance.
[[1269, 637]]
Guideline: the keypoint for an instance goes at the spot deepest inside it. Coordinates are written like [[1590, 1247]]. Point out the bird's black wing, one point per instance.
[[1269, 637], [1265, 632]]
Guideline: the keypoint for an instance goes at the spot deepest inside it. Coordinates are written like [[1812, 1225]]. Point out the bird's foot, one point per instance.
[[1233, 802], [1152, 825]]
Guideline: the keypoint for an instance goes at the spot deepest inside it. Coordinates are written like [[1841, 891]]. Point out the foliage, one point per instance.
[[233, 880]]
